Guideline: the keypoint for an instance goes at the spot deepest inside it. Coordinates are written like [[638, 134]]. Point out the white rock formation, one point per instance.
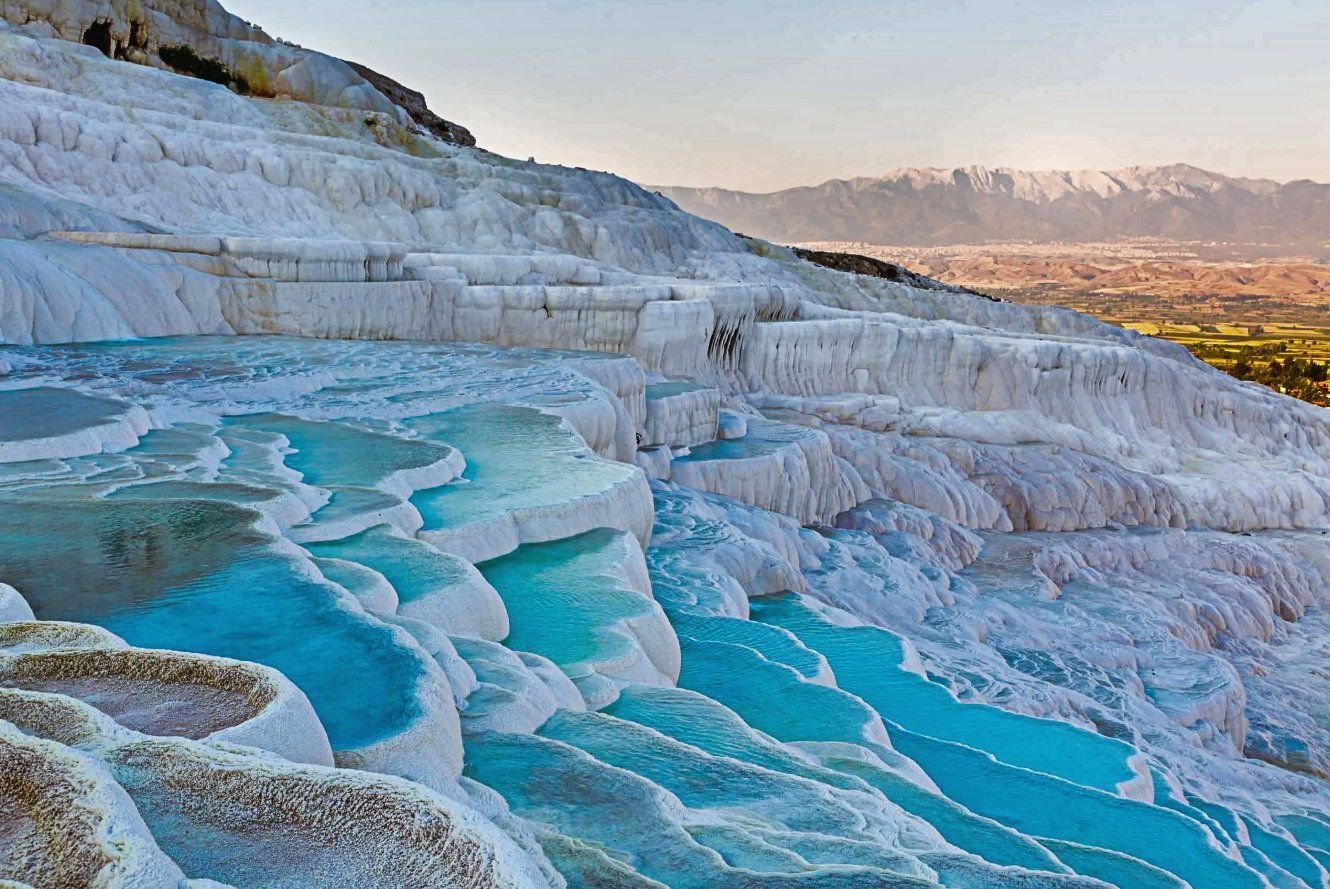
[[215, 805], [680, 415], [878, 515], [66, 820], [162, 693], [13, 607]]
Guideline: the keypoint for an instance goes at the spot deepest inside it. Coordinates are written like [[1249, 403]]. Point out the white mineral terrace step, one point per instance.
[[56, 422], [680, 414], [757, 302], [482, 268], [282, 259], [382, 310], [775, 466], [530, 479]]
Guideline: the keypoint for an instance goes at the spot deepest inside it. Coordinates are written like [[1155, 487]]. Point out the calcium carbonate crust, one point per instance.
[[77, 779], [1047, 513]]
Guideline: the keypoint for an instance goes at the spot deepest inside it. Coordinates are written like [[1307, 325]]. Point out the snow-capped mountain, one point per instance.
[[939, 205]]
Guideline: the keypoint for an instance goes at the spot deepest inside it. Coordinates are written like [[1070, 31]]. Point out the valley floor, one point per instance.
[[1282, 345], [1263, 320]]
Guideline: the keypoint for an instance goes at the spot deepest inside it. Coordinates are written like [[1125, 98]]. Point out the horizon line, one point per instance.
[[894, 172]]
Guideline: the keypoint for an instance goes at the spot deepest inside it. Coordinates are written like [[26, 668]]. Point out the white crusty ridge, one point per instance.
[[426, 250]]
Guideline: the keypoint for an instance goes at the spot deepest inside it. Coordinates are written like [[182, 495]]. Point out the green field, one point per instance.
[[1277, 342], [1289, 358], [1300, 340]]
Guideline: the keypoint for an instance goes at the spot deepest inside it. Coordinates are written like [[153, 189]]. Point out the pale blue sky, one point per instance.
[[765, 95]]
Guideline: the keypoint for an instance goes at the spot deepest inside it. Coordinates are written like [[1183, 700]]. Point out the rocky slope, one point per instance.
[[199, 38], [974, 205], [377, 511]]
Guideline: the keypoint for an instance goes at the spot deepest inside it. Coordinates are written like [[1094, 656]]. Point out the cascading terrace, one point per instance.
[[775, 738], [380, 512]]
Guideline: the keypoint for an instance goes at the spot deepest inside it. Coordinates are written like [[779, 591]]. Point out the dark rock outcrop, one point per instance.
[[413, 103], [183, 59], [877, 268]]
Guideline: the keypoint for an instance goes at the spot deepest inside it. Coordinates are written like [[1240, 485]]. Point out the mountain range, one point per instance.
[[971, 205]]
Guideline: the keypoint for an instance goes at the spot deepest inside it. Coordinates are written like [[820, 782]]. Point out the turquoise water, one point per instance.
[[197, 575], [355, 504], [415, 569], [1113, 868], [771, 642], [567, 601], [673, 387], [338, 455], [774, 698], [1220, 820], [989, 839], [254, 458], [183, 489], [438, 588], [619, 812], [861, 658], [180, 447], [707, 725], [764, 437], [1282, 854], [1308, 830], [517, 457], [47, 411], [611, 817], [1049, 807], [356, 579], [702, 781]]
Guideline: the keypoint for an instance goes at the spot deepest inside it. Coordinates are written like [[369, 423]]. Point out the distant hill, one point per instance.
[[973, 205]]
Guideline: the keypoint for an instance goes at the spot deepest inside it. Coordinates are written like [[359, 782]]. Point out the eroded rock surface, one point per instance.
[[414, 104]]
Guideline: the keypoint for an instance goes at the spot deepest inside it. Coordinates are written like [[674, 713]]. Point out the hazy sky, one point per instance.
[[765, 95]]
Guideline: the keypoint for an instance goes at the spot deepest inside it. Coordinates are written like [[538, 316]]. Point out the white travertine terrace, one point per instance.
[[701, 570], [13, 607], [253, 815], [66, 822], [681, 416], [162, 693], [627, 273]]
